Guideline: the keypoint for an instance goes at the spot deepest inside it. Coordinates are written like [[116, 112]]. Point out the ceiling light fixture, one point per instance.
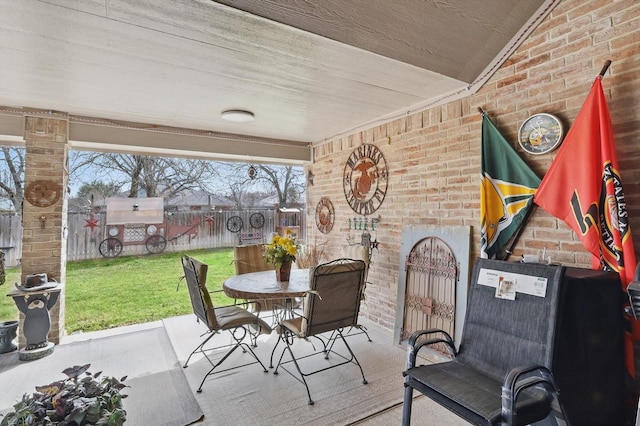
[[237, 116]]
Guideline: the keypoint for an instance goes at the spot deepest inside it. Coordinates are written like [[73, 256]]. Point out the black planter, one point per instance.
[[8, 332]]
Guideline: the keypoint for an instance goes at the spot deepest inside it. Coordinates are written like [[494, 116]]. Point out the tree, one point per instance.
[[149, 176], [12, 176], [286, 182], [96, 187]]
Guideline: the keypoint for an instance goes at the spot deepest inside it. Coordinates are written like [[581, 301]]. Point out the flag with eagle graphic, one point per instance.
[[583, 188], [506, 191]]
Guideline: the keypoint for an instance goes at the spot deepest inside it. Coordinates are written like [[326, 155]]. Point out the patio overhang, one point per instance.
[[88, 134]]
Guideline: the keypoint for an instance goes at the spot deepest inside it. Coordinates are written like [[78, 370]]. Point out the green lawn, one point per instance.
[[105, 293]]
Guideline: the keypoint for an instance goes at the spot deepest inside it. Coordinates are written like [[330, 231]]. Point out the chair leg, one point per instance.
[[364, 330], [353, 356], [295, 362], [199, 348], [239, 344], [406, 405], [273, 352]]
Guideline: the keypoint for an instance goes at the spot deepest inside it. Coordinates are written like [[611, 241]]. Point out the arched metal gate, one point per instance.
[[430, 295]]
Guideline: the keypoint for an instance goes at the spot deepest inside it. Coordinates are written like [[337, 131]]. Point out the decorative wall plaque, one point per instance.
[[325, 215], [365, 179], [42, 193]]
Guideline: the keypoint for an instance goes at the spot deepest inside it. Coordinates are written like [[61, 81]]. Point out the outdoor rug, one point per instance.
[[158, 394], [248, 396]]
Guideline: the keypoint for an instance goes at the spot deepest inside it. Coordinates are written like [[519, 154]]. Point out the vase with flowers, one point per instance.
[[281, 252]]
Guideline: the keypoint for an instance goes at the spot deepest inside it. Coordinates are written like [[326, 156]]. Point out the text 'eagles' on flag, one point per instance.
[[584, 189], [506, 191]]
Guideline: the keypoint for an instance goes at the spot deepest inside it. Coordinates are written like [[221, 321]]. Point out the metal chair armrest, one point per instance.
[[413, 348], [515, 383]]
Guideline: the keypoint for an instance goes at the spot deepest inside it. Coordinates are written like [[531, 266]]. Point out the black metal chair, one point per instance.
[[235, 319], [331, 305], [633, 290], [501, 374]]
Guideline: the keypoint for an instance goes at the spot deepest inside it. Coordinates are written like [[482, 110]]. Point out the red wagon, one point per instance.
[[136, 221]]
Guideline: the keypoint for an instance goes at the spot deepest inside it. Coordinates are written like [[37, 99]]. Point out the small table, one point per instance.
[[263, 285]]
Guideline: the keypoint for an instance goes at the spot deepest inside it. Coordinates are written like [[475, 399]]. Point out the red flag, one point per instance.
[[584, 189]]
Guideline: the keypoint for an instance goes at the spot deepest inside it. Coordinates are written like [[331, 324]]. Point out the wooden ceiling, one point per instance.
[[155, 75]]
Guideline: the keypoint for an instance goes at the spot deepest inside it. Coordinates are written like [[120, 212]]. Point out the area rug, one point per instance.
[[158, 392], [248, 396]]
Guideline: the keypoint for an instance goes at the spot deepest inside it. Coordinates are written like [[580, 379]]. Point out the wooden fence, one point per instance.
[[183, 231], [11, 238]]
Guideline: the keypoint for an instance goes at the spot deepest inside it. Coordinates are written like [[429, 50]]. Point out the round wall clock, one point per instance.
[[325, 215], [365, 179], [540, 133], [42, 193]]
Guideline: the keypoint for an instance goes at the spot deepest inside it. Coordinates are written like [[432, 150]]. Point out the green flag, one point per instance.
[[506, 190]]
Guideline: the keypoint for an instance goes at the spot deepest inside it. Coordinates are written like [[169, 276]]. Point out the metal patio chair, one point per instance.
[[359, 252], [235, 319], [331, 305]]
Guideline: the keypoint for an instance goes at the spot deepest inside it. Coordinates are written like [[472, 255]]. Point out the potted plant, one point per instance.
[[80, 399], [281, 252]]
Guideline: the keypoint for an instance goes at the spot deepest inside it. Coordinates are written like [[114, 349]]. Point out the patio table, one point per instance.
[[263, 285]]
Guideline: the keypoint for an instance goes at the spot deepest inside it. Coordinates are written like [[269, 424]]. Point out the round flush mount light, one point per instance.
[[237, 116]]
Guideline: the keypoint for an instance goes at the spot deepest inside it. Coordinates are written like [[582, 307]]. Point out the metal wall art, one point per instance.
[[325, 215], [365, 179], [42, 193]]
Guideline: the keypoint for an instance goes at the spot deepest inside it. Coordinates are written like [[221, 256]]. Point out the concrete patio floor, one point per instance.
[[184, 333]]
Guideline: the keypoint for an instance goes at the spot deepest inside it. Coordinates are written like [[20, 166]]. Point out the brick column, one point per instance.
[[44, 238]]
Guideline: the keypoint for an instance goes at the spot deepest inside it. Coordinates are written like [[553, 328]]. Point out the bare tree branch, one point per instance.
[[12, 179]]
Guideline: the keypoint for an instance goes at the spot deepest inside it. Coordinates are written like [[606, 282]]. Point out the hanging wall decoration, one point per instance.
[[540, 133], [365, 179], [325, 215], [42, 193], [252, 172]]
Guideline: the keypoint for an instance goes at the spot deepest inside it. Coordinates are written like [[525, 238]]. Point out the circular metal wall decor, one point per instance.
[[252, 172], [365, 179], [42, 193], [325, 215], [540, 133]]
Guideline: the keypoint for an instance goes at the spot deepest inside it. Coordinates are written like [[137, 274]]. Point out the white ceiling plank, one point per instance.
[[181, 63]]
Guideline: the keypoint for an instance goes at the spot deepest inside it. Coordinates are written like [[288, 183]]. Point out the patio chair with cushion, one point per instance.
[[359, 252], [248, 258], [332, 304], [235, 319]]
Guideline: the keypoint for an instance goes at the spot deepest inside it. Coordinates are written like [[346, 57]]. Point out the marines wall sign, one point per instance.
[[365, 179]]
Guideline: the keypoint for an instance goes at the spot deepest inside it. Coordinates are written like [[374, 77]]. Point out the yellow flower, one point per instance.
[[281, 250]]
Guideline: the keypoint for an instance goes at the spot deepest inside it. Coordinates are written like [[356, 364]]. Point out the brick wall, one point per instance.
[[433, 156], [44, 233]]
